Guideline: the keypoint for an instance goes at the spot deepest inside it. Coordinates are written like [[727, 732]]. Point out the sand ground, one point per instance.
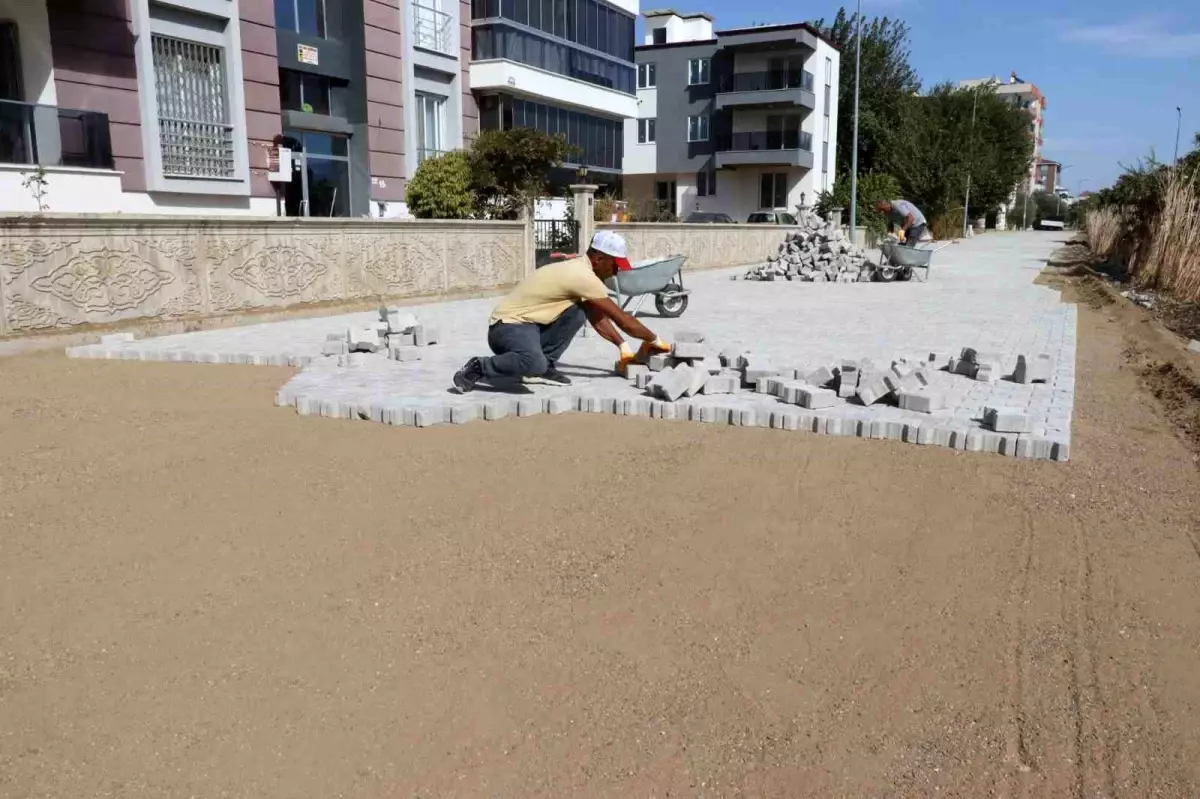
[[225, 599]]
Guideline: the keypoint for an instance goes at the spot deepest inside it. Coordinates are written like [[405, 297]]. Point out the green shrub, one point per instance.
[[871, 187], [441, 188]]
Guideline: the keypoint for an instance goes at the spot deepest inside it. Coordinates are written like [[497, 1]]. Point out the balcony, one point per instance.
[[765, 148], [433, 30], [774, 88], [45, 135]]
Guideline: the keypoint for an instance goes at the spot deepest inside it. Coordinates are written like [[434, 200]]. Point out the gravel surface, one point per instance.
[[205, 595]]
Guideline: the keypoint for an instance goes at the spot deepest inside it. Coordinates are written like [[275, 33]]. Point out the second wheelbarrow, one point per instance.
[[660, 277]]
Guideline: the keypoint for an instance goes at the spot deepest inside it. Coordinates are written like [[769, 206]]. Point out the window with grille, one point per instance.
[[195, 130]]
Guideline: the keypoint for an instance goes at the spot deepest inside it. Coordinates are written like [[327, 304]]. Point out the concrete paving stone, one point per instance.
[[1006, 419], [708, 414], [609, 405], [1034, 446], [496, 409], [634, 370], [112, 339], [401, 340], [894, 430], [819, 377], [428, 417], [762, 385], [720, 384], [723, 414], [975, 441], [1194, 345], [643, 381], [987, 372], [529, 406], [688, 349], [689, 337], [1061, 451], [351, 359], [729, 357], [638, 406], [307, 406], [784, 420], [912, 433], [751, 375], [335, 347], [657, 363], [1034, 368], [749, 417], [813, 398], [699, 376], [872, 388], [404, 354], [557, 405], [922, 400], [957, 438], [878, 429]]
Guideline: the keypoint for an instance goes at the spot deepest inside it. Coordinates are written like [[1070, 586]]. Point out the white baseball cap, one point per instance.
[[613, 244]]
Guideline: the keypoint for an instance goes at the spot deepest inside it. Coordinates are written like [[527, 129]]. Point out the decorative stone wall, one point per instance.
[[704, 245], [58, 272]]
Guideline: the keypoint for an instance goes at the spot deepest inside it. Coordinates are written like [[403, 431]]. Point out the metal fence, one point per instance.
[[552, 237], [195, 132]]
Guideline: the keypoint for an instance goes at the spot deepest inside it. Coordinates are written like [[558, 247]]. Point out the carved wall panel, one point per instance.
[[397, 263], [483, 261]]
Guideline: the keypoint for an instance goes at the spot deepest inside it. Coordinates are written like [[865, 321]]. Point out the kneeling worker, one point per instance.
[[533, 326]]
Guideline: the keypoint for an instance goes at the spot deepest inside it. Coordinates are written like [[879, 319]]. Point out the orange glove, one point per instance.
[[649, 348], [627, 357]]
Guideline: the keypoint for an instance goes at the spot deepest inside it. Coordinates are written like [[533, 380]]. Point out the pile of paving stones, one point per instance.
[[818, 252], [398, 334]]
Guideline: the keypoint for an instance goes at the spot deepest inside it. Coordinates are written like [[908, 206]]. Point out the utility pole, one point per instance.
[[1178, 122], [854, 145], [970, 154]]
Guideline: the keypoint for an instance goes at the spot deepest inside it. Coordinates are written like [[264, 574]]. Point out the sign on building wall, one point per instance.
[[307, 54]]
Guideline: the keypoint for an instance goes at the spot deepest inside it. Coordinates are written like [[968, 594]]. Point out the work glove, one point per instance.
[[649, 348], [627, 357]]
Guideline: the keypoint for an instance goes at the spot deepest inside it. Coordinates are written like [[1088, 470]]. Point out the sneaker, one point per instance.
[[470, 374], [551, 377]]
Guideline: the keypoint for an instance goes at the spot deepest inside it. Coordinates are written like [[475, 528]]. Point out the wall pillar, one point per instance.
[[585, 212], [529, 255]]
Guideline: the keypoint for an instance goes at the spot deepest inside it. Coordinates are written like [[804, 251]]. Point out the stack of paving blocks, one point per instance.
[[818, 252], [399, 333]]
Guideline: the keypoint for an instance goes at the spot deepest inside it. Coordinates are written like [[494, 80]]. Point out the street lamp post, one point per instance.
[[1178, 122], [970, 154], [854, 144]]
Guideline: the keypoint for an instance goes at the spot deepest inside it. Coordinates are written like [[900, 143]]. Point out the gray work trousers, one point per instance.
[[527, 349]]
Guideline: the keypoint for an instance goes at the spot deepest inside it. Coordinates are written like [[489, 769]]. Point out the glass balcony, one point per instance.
[[766, 81], [765, 148], [47, 135]]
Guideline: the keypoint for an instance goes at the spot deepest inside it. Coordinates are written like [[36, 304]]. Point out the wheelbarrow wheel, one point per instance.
[[669, 303], [905, 274], [885, 273]]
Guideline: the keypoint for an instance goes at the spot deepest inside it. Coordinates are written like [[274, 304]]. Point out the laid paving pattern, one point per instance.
[[981, 294]]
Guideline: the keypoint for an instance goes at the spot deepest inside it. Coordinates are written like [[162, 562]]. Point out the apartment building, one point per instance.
[[562, 67], [1028, 97], [731, 121], [180, 106]]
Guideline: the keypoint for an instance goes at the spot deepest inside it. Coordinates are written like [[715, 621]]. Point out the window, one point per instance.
[[300, 91], [697, 71], [825, 130], [772, 190], [599, 140], [828, 71], [194, 126], [659, 36], [698, 128], [306, 17], [646, 131], [706, 183], [430, 108], [590, 23], [498, 40], [647, 76], [825, 156]]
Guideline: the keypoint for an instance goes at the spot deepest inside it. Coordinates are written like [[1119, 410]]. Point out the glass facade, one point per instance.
[[501, 40], [597, 139], [584, 22]]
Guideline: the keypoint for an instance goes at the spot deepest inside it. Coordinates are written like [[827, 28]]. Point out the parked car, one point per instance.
[[1050, 223], [771, 218], [709, 217]]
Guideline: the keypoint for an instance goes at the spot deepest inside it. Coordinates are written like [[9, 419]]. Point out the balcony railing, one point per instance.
[[766, 140], [433, 29], [47, 135], [425, 153], [766, 81]]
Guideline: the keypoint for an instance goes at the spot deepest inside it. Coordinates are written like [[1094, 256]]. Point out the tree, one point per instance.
[[872, 186], [441, 188], [935, 146], [888, 80], [511, 168]]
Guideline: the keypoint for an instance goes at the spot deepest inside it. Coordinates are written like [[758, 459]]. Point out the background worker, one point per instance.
[[909, 218], [533, 326]]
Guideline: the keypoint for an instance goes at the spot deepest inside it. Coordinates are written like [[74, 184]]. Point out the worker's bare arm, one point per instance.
[[909, 221], [611, 311], [602, 324]]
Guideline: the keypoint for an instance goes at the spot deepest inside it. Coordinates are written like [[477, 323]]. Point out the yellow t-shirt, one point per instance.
[[543, 296]]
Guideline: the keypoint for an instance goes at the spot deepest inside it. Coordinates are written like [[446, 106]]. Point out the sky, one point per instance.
[[1112, 72]]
